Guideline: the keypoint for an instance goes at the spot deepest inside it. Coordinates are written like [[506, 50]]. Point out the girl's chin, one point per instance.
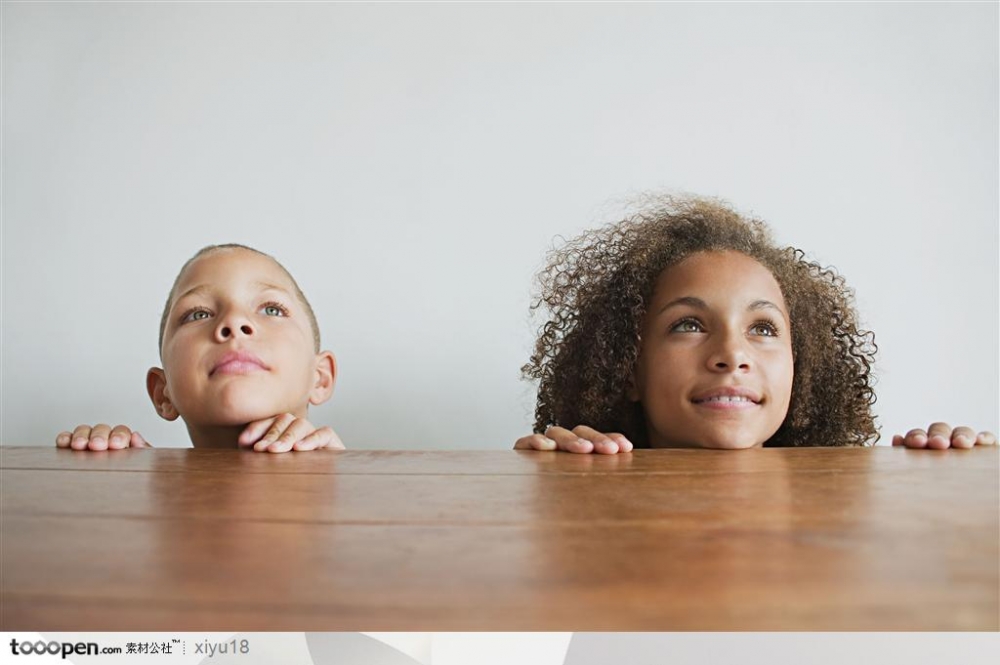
[[710, 443], [731, 445], [712, 433]]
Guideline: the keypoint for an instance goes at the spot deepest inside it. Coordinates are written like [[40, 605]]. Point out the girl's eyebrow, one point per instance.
[[690, 301], [698, 303], [762, 304], [767, 304]]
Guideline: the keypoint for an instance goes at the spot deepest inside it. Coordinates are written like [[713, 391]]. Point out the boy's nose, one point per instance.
[[230, 328]]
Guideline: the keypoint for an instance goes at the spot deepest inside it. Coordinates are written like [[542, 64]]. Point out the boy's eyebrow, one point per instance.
[[273, 287], [192, 290], [205, 287]]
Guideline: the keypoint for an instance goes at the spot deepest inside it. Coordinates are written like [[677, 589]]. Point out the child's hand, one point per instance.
[[101, 437], [286, 432], [581, 439], [940, 436]]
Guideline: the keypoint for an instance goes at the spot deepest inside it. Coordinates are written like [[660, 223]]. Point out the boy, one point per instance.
[[241, 360]]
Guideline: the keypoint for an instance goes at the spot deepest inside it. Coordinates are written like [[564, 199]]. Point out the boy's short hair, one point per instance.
[[208, 249]]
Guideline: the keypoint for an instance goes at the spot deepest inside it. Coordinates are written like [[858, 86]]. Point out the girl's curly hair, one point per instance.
[[596, 288]]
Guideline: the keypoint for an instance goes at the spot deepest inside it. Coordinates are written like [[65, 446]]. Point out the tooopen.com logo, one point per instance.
[[54, 648]]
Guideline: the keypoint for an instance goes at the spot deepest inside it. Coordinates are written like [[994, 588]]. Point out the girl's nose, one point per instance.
[[730, 355]]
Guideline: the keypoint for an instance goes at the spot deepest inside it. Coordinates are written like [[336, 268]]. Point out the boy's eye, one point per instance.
[[195, 315], [687, 326], [764, 329], [274, 309]]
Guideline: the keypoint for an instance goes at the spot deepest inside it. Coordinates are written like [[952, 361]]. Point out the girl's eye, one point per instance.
[[274, 309], [687, 326], [764, 329], [195, 315]]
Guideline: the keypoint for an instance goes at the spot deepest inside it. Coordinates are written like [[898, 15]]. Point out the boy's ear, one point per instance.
[[156, 386], [326, 375]]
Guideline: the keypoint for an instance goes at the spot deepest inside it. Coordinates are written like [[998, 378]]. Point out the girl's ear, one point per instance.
[[156, 386], [326, 376], [632, 392]]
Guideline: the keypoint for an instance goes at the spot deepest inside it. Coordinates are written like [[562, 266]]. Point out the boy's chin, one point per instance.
[[243, 402], [244, 415]]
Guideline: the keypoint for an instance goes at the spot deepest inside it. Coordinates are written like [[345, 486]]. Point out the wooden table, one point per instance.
[[815, 539]]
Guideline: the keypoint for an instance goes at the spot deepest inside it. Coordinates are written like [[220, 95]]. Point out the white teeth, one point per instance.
[[728, 398]]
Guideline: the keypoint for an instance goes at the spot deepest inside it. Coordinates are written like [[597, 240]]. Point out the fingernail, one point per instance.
[[623, 443], [548, 442], [963, 440], [117, 441], [79, 442]]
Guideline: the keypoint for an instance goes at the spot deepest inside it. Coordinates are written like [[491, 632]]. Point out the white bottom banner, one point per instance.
[[537, 648]]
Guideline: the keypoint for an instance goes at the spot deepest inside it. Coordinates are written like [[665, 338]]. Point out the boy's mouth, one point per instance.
[[238, 362]]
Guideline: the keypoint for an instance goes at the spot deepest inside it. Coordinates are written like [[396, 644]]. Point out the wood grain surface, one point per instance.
[[207, 540]]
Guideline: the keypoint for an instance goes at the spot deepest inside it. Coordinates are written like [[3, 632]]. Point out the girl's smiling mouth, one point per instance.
[[727, 397]]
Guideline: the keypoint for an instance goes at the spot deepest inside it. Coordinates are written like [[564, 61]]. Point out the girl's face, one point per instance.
[[715, 360]]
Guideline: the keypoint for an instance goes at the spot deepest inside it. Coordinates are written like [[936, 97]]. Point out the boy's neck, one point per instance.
[[215, 437]]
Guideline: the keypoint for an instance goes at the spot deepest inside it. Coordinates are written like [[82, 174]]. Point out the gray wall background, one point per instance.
[[411, 165]]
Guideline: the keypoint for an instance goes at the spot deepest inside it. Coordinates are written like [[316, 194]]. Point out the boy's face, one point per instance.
[[238, 345], [715, 363]]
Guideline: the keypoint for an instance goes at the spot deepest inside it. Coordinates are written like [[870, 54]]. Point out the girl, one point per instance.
[[687, 326]]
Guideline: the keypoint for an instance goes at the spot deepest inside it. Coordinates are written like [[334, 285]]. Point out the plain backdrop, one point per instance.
[[412, 164]]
